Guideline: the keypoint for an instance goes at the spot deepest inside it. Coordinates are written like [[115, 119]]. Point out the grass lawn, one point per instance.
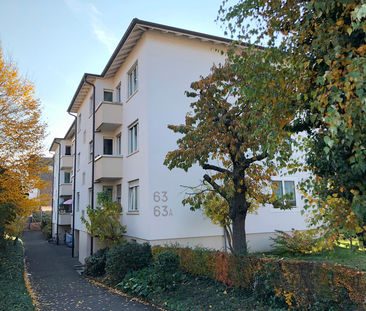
[[341, 254], [14, 295]]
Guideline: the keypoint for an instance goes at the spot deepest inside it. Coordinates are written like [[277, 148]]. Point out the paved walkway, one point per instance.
[[58, 286]]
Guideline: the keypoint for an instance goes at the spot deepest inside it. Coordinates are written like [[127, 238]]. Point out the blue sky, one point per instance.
[[55, 41]]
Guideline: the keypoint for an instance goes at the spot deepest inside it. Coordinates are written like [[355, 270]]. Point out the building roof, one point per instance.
[[125, 46]]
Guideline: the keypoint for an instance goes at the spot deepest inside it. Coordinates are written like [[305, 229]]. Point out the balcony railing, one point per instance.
[[66, 162], [64, 219], [108, 167], [108, 116], [65, 190]]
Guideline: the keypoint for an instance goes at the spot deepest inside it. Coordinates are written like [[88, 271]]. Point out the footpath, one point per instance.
[[58, 286]]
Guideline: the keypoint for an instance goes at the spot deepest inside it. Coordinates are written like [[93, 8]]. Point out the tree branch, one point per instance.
[[257, 158], [215, 186], [215, 168]]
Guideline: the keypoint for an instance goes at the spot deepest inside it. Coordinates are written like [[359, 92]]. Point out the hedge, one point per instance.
[[300, 283]]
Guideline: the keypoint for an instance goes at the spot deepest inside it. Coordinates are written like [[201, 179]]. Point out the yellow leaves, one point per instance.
[[361, 50]]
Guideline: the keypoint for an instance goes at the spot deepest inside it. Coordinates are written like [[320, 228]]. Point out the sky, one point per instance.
[[54, 42]]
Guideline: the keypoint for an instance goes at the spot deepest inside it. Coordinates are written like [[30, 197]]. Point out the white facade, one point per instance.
[[139, 93], [62, 184]]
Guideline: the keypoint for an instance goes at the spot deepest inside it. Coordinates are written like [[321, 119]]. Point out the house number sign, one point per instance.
[[161, 210]]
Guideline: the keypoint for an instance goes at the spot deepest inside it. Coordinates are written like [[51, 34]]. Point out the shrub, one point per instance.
[[296, 244], [299, 284], [162, 275], [95, 264], [138, 283], [165, 270], [47, 228], [127, 257]]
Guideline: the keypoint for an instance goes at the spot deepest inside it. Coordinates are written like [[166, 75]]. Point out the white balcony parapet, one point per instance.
[[64, 219], [65, 190], [66, 162], [108, 167], [108, 116]]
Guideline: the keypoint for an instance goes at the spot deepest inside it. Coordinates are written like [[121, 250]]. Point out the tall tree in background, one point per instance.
[[322, 46], [226, 129], [21, 141]]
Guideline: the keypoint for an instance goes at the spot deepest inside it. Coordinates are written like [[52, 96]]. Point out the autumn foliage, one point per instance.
[[227, 134], [318, 50], [299, 284], [21, 142]]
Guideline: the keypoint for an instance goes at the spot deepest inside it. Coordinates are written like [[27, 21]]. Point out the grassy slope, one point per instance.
[[13, 294], [341, 254]]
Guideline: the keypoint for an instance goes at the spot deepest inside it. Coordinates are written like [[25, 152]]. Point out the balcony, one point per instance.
[[108, 116], [66, 162], [108, 167], [65, 190], [64, 219]]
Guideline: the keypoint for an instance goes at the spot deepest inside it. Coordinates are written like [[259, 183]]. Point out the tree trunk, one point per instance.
[[239, 236]]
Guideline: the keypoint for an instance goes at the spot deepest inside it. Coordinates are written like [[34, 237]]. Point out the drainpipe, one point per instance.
[[74, 188], [58, 189], [93, 157]]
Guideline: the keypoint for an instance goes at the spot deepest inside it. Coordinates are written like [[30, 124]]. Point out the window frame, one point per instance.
[[133, 196], [133, 80], [119, 144], [91, 151], [104, 146], [118, 93], [67, 150], [105, 91], [69, 179], [133, 137], [283, 189]]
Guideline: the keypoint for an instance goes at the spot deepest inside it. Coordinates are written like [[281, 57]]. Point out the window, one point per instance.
[[90, 196], [132, 81], [67, 179], [83, 180], [133, 191], [90, 150], [119, 193], [79, 121], [79, 161], [133, 138], [108, 96], [285, 188], [118, 93], [77, 201], [108, 146], [119, 144], [67, 150], [84, 137], [91, 104], [110, 190]]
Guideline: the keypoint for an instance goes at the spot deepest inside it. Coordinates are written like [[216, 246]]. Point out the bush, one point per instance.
[[166, 274], [127, 257], [13, 290], [296, 244], [138, 283], [162, 275], [299, 284], [95, 264], [47, 228]]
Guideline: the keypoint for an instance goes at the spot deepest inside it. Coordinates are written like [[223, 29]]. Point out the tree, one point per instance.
[[322, 46], [104, 220], [226, 127], [21, 140]]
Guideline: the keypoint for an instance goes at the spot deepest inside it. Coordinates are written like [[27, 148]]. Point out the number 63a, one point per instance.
[[164, 212]]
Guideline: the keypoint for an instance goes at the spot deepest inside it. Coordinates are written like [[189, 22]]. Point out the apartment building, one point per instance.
[[62, 184], [122, 138]]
